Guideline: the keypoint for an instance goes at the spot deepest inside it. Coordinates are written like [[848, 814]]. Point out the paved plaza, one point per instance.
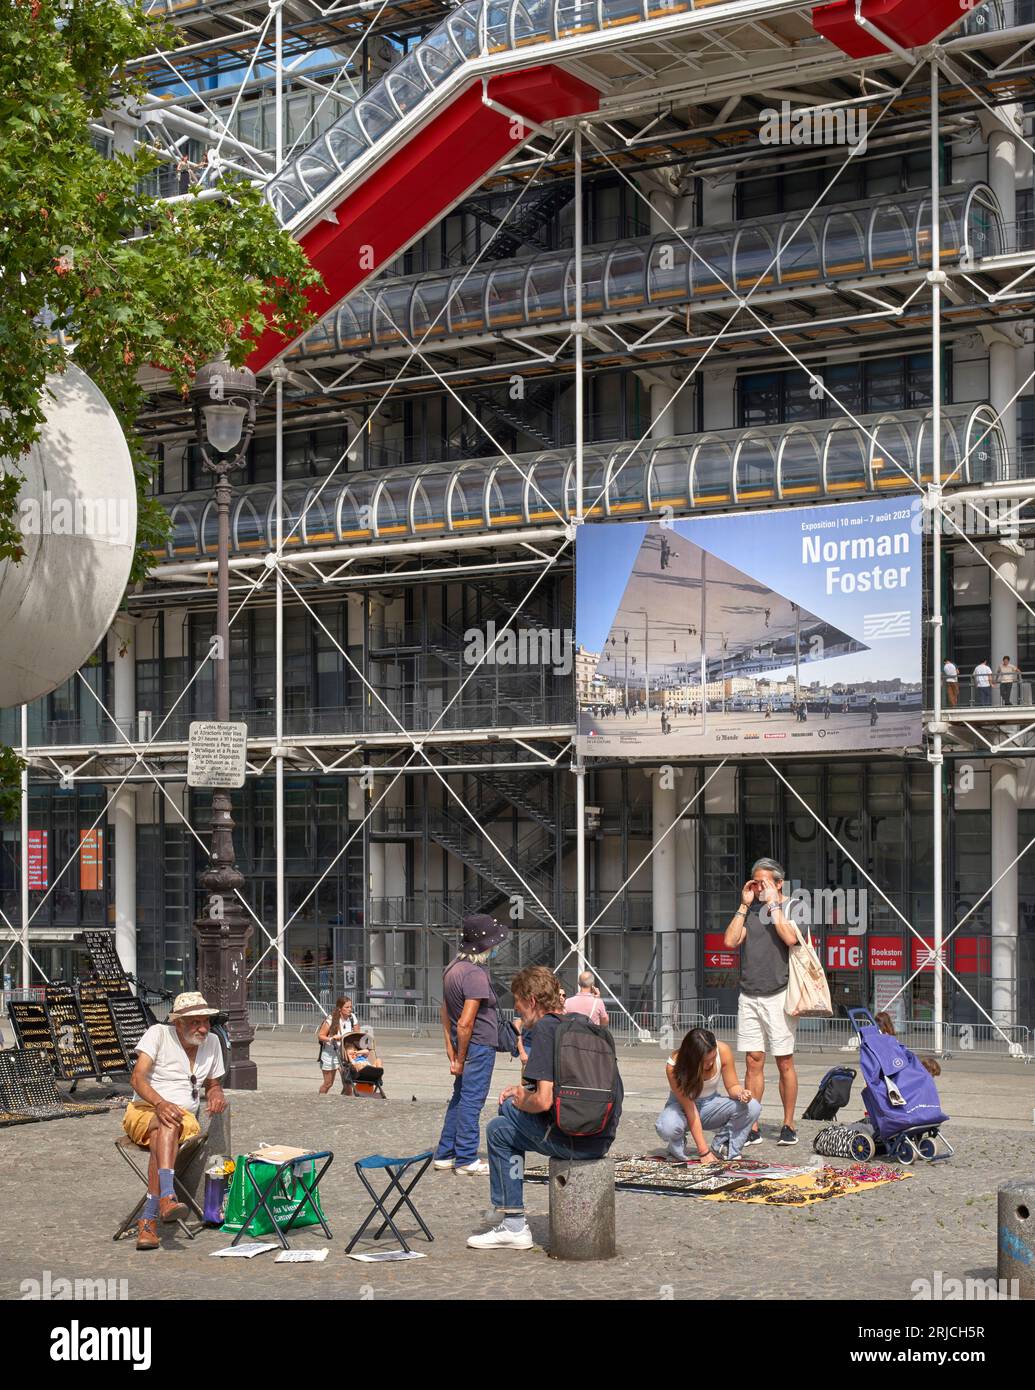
[[64, 1190]]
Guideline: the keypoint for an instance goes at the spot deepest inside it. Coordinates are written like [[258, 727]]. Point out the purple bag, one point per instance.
[[899, 1093]]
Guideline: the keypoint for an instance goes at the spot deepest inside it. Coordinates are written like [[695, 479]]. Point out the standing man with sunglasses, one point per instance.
[[174, 1060]]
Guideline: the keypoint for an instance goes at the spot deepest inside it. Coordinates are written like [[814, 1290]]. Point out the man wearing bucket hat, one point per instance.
[[470, 1023], [174, 1060]]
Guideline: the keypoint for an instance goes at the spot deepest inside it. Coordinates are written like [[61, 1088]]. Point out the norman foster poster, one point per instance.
[[768, 633]]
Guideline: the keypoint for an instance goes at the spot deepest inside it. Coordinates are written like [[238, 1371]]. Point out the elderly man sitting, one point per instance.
[[174, 1060]]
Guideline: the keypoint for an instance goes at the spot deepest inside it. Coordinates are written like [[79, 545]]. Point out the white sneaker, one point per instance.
[[499, 1238], [477, 1169]]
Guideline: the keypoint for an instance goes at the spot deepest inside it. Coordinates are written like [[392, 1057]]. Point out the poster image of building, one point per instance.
[[766, 634]]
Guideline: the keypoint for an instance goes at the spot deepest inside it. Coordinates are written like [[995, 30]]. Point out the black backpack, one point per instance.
[[587, 1088], [834, 1091]]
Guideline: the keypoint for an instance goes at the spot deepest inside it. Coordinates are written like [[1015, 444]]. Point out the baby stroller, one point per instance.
[[902, 1105], [361, 1068]]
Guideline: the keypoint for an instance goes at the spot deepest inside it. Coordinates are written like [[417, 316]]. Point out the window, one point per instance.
[[881, 384]]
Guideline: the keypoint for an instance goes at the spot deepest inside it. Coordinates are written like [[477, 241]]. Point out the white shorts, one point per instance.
[[763, 1026]]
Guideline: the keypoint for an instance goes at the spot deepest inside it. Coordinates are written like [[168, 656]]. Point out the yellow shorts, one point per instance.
[[137, 1121]]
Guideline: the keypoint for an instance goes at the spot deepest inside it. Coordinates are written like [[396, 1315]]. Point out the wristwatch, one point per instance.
[[741, 911]]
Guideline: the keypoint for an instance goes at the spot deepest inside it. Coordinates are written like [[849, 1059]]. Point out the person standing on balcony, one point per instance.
[[952, 683], [1007, 677], [470, 1025], [983, 684]]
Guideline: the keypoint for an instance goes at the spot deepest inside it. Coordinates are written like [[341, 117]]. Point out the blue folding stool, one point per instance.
[[396, 1168]]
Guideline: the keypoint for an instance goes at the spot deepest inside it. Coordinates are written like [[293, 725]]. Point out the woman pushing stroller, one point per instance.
[[706, 1094]]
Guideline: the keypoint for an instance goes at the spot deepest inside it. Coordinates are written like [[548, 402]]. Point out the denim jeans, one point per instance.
[[984, 695], [510, 1136], [459, 1137], [730, 1118]]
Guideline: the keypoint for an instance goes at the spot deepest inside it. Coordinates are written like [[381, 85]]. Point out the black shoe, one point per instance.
[[754, 1137], [788, 1135]]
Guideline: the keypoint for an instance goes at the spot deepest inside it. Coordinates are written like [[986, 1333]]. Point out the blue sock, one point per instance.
[[514, 1224], [150, 1211], [165, 1182]]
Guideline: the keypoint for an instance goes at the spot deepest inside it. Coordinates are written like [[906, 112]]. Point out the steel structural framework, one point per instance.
[[939, 255]]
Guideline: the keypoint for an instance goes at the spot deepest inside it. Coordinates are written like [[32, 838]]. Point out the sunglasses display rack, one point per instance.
[[32, 1029], [108, 973], [105, 1043], [130, 1021], [28, 1091], [72, 1045]]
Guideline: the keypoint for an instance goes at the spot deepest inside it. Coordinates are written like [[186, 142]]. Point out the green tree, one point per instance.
[[92, 264]]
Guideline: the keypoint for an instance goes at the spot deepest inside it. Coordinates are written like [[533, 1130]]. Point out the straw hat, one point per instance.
[[191, 1005]]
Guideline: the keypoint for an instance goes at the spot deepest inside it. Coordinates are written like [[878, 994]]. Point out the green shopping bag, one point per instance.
[[282, 1201]]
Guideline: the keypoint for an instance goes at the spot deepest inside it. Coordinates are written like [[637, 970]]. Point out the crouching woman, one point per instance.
[[706, 1094]]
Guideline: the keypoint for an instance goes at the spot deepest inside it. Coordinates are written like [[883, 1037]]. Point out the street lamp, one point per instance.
[[223, 402]]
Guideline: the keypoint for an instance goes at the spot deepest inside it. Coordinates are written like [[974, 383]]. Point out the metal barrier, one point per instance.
[[33, 994], [984, 1039], [654, 1029], [261, 1014], [394, 1018]]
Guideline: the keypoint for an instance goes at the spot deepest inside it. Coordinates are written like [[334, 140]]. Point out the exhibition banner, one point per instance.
[[763, 633]]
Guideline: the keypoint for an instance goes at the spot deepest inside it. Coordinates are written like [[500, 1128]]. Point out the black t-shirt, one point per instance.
[[540, 1041]]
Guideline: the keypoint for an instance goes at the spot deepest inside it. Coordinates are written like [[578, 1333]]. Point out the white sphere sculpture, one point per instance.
[[77, 511]]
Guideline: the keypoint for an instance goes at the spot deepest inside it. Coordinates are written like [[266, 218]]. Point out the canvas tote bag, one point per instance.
[[808, 994]]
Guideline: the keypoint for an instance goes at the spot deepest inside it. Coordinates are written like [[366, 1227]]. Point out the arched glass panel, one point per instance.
[[209, 530], [466, 508], [392, 510], [984, 225], [533, 20], [430, 319], [800, 465], [354, 507], [428, 500], [318, 524], [344, 141], [616, 12], [546, 290], [249, 531], [754, 259], [755, 469], [626, 480], [594, 468], [467, 303], [669, 270], [799, 252], [846, 450], [354, 322], [669, 476], [949, 234], [546, 480], [506, 297], [625, 277], [506, 495], [711, 473], [183, 535], [463, 28], [375, 114], [892, 458], [891, 239], [391, 314], [711, 269], [575, 17], [592, 285], [438, 56], [313, 172], [844, 246], [320, 338], [497, 25], [986, 454], [407, 84], [291, 511]]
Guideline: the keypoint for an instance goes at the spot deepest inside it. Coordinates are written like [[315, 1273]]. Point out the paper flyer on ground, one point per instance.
[[772, 633]]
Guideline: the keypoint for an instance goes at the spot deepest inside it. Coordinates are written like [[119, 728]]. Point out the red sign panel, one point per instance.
[[717, 955], [91, 860], [886, 953], [923, 953], [844, 952], [38, 860], [974, 955]]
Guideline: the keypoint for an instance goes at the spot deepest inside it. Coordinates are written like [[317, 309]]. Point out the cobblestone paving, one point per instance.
[[63, 1191]]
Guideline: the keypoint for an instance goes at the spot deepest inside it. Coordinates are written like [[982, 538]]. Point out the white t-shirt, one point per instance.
[[172, 1071], [345, 1027], [951, 672], [982, 676]]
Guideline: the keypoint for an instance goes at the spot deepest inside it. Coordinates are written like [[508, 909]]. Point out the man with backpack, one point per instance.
[[567, 1107]]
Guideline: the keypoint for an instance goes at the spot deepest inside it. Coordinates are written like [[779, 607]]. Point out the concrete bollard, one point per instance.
[[582, 1209], [1017, 1235]]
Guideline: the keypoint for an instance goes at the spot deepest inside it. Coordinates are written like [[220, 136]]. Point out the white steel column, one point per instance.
[[278, 70], [664, 810], [578, 765], [125, 807], [1003, 783], [279, 685], [25, 847], [375, 889], [936, 279]]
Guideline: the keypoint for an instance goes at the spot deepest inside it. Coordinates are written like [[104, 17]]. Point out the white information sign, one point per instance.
[[216, 753]]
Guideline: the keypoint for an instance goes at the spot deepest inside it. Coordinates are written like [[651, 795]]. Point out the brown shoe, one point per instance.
[[171, 1209], [147, 1235]]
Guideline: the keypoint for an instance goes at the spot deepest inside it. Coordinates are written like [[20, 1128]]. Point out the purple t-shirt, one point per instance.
[[464, 980]]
